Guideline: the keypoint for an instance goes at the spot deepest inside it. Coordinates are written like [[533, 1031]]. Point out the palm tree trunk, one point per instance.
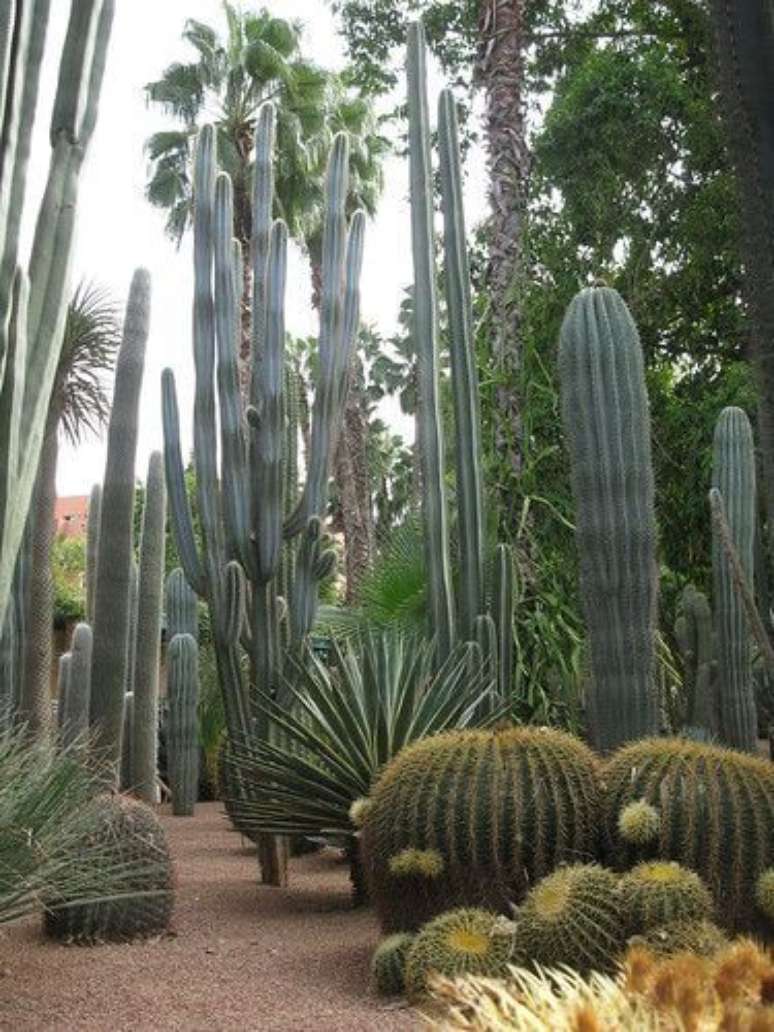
[[351, 473], [500, 72], [35, 700]]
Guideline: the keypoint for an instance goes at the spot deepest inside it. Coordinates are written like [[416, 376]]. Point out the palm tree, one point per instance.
[[79, 405]]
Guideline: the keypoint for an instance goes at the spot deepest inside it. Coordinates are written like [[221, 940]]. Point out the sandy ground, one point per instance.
[[241, 957]]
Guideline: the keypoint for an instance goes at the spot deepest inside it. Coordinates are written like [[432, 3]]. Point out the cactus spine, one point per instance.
[[112, 603], [183, 742], [148, 638], [74, 715], [733, 474], [33, 304], [182, 617], [607, 425]]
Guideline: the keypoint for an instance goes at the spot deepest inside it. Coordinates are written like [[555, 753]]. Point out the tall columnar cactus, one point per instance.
[[183, 738], [607, 426], [148, 637], [733, 474], [62, 679], [33, 303], [716, 816], [126, 757], [74, 718], [429, 845], [182, 616], [111, 596], [693, 630], [8, 667], [243, 516], [92, 547]]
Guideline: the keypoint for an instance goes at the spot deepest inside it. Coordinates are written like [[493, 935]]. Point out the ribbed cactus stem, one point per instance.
[[733, 475], [464, 379], [8, 667], [148, 647], [182, 615], [62, 686], [92, 547], [429, 426], [183, 743], [126, 774], [504, 611], [607, 425], [112, 604], [693, 630], [74, 718]]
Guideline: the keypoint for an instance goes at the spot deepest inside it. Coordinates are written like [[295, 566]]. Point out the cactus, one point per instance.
[[639, 823], [659, 892], [572, 917], [182, 617], [716, 810], [764, 893], [135, 838], [388, 964], [148, 636], [183, 740], [693, 630], [62, 678], [111, 595], [8, 667], [74, 713], [701, 938], [466, 941], [33, 304], [92, 547], [607, 425], [529, 802], [126, 773], [733, 474]]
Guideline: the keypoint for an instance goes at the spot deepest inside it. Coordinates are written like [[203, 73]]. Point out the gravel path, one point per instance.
[[242, 957]]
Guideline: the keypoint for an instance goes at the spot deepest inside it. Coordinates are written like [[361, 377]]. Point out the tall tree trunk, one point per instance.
[[500, 73], [35, 699], [351, 472]]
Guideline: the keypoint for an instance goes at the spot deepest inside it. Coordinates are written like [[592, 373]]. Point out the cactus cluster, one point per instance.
[[716, 817], [475, 817], [135, 839], [466, 941], [571, 917]]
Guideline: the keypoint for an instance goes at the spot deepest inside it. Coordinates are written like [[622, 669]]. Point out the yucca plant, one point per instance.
[[347, 721], [45, 820]]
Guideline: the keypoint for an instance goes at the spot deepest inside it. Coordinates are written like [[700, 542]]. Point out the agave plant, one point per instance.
[[44, 822], [347, 721]]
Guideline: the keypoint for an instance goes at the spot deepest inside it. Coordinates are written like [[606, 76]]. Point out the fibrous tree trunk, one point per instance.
[[35, 698], [351, 472], [500, 74]]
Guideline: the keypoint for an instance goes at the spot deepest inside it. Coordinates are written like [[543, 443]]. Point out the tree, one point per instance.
[[79, 405]]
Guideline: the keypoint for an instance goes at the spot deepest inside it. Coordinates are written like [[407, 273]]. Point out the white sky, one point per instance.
[[118, 229]]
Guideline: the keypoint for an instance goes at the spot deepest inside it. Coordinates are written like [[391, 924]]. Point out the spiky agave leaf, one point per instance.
[[344, 724]]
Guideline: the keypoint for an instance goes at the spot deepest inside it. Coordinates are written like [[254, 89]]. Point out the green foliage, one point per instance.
[[716, 810], [388, 964], [466, 941], [68, 567], [344, 725], [531, 804], [659, 892], [571, 917], [131, 834]]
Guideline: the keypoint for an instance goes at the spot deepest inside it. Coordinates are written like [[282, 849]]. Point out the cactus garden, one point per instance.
[[387, 515]]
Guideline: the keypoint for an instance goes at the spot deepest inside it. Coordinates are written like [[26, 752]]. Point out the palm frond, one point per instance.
[[180, 91]]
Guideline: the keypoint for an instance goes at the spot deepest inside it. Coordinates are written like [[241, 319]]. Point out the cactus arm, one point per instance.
[[179, 506], [351, 326], [11, 397], [182, 616], [226, 326], [263, 202], [733, 476], [74, 720], [607, 426], [62, 679], [183, 692], [426, 343], [464, 379], [146, 672], [113, 578]]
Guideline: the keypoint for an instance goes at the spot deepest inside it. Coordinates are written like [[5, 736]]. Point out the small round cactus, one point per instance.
[[702, 938], [571, 917], [416, 863], [358, 811], [658, 892], [133, 838], [764, 893], [461, 942], [639, 823], [388, 964]]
